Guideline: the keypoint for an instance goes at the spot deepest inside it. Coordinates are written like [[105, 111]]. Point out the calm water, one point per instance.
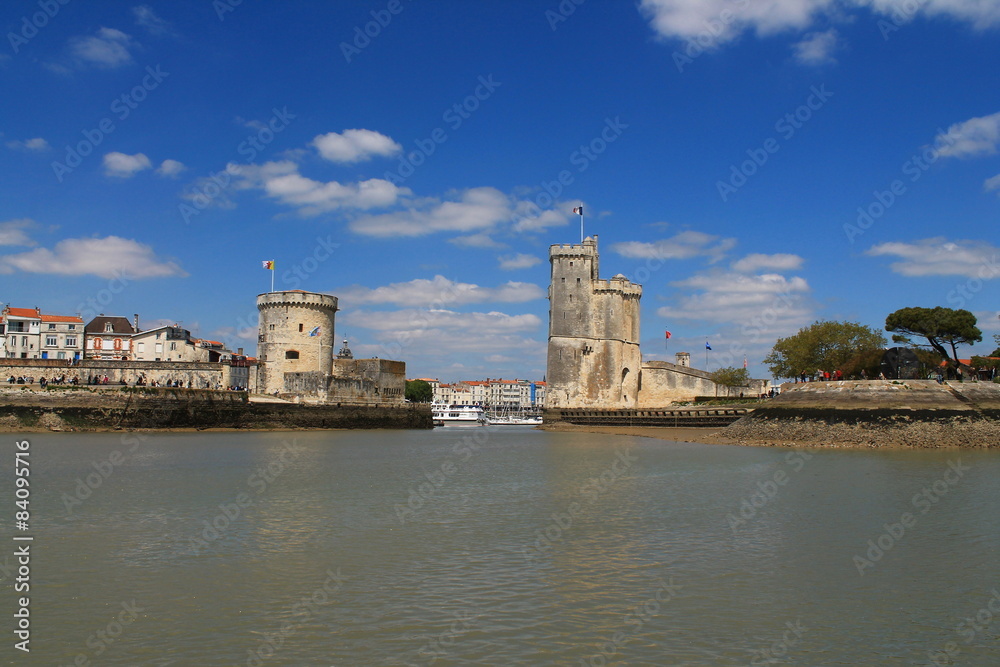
[[524, 548]]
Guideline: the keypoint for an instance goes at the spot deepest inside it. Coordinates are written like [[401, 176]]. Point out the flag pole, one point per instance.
[[272, 279], [581, 224]]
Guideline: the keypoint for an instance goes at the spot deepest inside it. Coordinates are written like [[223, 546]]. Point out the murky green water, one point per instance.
[[514, 547]]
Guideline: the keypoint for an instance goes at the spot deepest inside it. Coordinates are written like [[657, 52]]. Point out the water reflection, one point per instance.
[[529, 548]]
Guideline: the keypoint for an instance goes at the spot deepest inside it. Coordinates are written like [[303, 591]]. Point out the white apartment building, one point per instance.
[[61, 337], [497, 394], [26, 333]]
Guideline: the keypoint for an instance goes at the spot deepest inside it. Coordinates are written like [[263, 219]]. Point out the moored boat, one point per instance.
[[457, 415]]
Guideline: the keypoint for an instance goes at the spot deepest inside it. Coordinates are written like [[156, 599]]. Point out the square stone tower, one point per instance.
[[593, 355]]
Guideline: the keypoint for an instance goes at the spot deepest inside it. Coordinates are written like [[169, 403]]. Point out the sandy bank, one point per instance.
[[707, 436]]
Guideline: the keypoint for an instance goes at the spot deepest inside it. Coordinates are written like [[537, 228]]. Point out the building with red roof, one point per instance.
[[27, 333]]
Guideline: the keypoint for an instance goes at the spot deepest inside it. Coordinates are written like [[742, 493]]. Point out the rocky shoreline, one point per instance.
[[918, 414], [913, 414], [897, 431]]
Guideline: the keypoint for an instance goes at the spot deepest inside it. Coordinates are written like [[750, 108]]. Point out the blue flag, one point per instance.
[[314, 332], [707, 346]]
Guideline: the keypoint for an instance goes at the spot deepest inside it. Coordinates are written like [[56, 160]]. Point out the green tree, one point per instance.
[[943, 328], [827, 345], [731, 378], [419, 391], [996, 352]]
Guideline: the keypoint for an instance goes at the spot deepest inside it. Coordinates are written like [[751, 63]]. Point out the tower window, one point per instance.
[[570, 297], [292, 354], [300, 327], [577, 281], [563, 279], [571, 263]]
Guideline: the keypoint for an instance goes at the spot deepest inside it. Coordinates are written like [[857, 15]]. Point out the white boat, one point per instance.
[[514, 421], [457, 415]]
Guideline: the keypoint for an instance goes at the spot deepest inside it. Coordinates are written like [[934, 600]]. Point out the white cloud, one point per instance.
[[355, 145], [976, 136], [981, 14], [776, 262], [817, 48], [721, 21], [480, 240], [529, 218], [518, 261], [170, 168], [988, 322], [684, 245], [446, 342], [411, 320], [107, 257], [939, 257], [108, 48], [991, 184], [37, 144], [147, 18], [283, 182], [12, 232], [477, 209], [767, 300], [438, 292], [125, 166], [687, 19]]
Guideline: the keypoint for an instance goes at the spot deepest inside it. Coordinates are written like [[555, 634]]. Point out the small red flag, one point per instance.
[[668, 334]]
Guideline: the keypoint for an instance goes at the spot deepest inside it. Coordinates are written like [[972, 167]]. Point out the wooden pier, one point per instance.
[[686, 416]]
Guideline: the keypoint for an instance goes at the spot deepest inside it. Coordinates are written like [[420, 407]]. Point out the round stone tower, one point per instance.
[[295, 335]]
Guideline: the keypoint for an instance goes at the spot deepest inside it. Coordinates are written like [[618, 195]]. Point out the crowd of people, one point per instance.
[[141, 381], [824, 376]]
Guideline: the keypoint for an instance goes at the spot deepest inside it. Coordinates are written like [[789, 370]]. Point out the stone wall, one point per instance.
[[106, 407], [354, 382], [196, 375], [664, 383]]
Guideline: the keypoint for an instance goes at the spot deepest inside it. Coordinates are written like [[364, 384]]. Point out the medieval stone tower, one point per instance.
[[295, 335], [593, 357]]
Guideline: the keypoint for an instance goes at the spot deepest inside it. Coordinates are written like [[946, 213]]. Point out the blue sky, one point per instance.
[[755, 165]]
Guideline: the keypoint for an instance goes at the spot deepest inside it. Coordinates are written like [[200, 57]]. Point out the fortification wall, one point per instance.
[[664, 383], [193, 374], [354, 382], [104, 408]]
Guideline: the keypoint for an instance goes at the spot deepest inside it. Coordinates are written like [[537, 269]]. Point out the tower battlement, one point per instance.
[[618, 285], [588, 247], [296, 298]]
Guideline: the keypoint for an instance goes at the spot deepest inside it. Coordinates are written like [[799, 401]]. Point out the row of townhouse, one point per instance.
[[27, 333], [492, 393]]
